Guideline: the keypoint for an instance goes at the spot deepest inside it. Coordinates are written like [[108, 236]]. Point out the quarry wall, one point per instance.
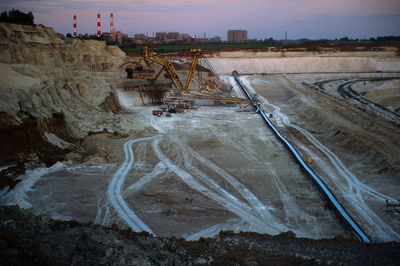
[[306, 63], [43, 73], [54, 86]]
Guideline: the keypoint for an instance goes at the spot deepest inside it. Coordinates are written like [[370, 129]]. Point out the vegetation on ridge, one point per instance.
[[17, 17]]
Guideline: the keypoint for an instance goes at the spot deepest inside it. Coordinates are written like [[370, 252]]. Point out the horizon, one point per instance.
[[263, 19]]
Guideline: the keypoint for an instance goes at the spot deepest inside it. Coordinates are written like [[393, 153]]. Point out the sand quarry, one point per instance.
[[214, 168]]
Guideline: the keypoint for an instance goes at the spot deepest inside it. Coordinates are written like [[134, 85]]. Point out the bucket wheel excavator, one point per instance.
[[169, 69], [183, 88]]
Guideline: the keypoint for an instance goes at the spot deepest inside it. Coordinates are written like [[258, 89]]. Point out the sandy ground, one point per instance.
[[357, 158], [202, 171], [215, 169]]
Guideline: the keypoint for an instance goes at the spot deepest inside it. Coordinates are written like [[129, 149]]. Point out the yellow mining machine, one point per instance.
[[171, 73], [168, 67]]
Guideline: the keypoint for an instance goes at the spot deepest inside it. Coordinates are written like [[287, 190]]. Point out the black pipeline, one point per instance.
[[319, 183]]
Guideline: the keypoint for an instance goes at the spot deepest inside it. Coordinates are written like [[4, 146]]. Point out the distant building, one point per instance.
[[161, 36], [237, 35], [202, 40], [140, 36], [185, 37], [108, 36], [217, 39], [117, 37], [136, 41], [120, 37], [173, 35]]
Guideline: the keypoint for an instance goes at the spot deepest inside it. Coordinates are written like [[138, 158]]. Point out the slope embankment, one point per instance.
[[53, 92], [346, 62]]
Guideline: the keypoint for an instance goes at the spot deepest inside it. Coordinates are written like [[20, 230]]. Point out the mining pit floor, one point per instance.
[[215, 168]]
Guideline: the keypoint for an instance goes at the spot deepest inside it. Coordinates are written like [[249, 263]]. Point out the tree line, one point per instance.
[[17, 17]]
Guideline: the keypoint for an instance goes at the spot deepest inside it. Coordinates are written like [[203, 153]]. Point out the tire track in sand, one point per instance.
[[355, 188], [114, 190], [220, 195]]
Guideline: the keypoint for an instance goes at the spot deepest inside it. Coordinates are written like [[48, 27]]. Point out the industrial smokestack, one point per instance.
[[74, 25], [112, 26], [285, 35], [98, 26]]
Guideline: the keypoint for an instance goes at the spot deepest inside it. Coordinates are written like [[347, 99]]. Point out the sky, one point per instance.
[[312, 19]]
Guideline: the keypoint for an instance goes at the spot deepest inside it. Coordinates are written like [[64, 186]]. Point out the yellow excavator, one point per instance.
[[169, 69]]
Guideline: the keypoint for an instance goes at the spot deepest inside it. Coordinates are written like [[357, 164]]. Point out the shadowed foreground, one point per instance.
[[34, 240]]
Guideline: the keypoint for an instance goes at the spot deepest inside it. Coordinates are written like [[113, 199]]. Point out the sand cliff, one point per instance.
[[54, 91]]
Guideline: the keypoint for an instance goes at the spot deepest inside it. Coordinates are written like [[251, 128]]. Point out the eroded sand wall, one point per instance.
[[224, 65]]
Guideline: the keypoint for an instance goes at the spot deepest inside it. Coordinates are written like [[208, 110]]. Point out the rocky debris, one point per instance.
[[111, 104], [39, 240], [53, 139]]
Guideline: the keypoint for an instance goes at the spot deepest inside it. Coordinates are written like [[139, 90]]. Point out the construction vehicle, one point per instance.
[[168, 67], [157, 112], [212, 89], [172, 110]]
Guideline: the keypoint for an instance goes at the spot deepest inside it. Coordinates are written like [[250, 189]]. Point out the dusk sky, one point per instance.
[[313, 19]]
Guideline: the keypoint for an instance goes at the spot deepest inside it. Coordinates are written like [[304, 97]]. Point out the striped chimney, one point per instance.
[[112, 26], [74, 25], [98, 26]]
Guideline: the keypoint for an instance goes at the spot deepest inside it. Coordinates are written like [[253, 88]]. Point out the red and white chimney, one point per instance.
[[112, 26], [74, 25], [98, 26]]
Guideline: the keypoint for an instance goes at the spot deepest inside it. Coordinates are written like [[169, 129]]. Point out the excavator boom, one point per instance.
[[192, 69], [170, 69]]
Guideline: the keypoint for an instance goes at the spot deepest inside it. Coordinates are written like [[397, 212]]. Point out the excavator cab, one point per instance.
[[140, 73], [144, 74]]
